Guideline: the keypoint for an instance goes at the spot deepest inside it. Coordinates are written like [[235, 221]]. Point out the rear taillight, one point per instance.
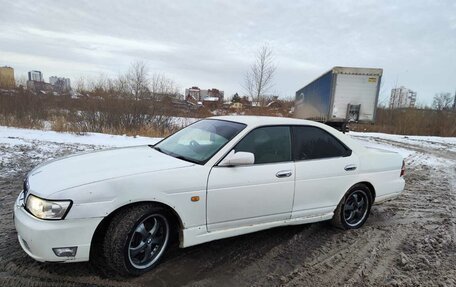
[[403, 168]]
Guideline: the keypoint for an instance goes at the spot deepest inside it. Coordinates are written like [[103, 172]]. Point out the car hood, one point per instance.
[[80, 169]]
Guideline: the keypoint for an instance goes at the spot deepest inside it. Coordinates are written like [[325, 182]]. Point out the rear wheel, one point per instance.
[[136, 239], [353, 210]]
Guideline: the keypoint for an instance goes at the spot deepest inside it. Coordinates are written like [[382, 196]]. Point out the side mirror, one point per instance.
[[238, 158]]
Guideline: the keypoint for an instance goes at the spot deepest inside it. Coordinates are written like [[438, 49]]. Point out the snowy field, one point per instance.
[[45, 142], [15, 136], [415, 150], [410, 241], [40, 145]]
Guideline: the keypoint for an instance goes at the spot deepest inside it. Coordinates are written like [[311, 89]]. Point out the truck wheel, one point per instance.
[[353, 209], [345, 128], [136, 239]]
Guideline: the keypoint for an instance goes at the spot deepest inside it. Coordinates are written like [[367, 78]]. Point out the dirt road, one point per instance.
[[407, 242]]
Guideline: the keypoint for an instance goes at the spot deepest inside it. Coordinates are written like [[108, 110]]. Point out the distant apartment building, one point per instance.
[[35, 76], [196, 94], [40, 87], [60, 84], [193, 94], [402, 98], [7, 78], [216, 93]]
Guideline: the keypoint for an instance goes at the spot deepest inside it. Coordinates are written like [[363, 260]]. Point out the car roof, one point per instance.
[[264, 120]]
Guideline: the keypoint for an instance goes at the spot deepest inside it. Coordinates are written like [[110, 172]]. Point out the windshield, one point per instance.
[[200, 141]]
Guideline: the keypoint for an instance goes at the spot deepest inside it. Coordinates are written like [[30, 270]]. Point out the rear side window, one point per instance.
[[268, 144], [315, 143]]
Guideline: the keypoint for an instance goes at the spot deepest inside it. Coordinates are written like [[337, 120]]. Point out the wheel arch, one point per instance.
[[337, 220], [102, 226], [370, 187]]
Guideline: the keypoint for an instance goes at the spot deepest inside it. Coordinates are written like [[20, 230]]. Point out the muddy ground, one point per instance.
[[406, 242]]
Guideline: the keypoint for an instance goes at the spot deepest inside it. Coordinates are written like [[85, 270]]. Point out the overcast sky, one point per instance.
[[211, 44]]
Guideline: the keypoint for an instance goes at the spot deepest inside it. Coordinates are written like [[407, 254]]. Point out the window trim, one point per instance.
[[259, 127], [348, 153]]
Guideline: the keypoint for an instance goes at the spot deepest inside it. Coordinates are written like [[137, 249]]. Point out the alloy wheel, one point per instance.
[[356, 207], [148, 241]]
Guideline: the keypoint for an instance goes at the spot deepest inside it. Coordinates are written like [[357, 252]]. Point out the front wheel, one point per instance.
[[353, 210], [136, 239]]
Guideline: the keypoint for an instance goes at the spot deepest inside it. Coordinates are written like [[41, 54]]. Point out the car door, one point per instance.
[[258, 193], [325, 169]]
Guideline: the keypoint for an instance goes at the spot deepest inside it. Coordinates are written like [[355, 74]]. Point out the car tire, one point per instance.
[[136, 239], [353, 209]]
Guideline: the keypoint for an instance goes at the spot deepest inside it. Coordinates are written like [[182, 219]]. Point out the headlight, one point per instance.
[[47, 209]]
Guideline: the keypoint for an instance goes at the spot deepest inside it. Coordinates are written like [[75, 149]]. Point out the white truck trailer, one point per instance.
[[340, 96]]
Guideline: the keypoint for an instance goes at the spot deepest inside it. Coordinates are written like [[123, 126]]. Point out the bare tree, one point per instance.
[[442, 101], [259, 78], [137, 80], [80, 85], [163, 92], [21, 81], [160, 85]]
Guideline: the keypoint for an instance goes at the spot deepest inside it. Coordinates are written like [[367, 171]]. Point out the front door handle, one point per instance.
[[350, 167], [284, 173]]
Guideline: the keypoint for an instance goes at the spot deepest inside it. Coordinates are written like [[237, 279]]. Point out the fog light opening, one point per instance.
[[65, 251], [26, 244]]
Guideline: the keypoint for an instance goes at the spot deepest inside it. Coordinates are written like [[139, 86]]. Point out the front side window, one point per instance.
[[268, 144], [200, 141], [315, 143]]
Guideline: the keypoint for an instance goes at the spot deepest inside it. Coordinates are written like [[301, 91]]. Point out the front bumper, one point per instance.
[[37, 237]]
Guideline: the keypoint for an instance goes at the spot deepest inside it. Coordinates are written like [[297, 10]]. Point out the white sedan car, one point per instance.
[[217, 178]]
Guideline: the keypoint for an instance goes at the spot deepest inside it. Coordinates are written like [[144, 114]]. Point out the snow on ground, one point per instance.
[[423, 141], [16, 136], [40, 145], [416, 150], [183, 122]]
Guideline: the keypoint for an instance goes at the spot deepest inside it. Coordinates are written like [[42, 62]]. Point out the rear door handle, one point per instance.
[[350, 167], [284, 173]]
